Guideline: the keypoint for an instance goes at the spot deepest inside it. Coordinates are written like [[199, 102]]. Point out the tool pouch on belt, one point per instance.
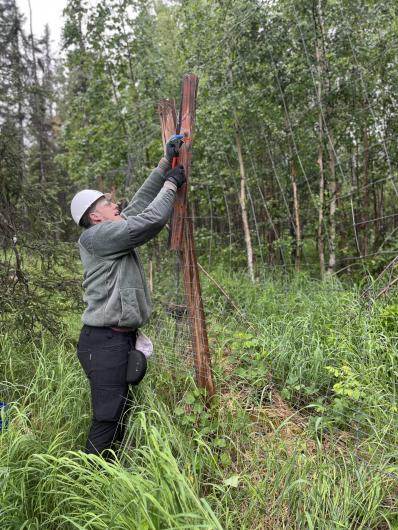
[[136, 367]]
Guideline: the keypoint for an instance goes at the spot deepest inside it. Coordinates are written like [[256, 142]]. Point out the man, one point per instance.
[[116, 293]]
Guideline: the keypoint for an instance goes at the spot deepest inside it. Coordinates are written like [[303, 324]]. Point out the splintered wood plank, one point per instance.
[[193, 294], [168, 119], [187, 121]]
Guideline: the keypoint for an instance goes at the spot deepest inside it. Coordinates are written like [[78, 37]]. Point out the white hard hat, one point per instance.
[[82, 202]]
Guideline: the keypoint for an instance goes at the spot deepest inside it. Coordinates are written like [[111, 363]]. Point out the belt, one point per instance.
[[123, 330]]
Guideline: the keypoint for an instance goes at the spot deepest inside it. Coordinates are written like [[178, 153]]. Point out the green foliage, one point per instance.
[[268, 452], [92, 121], [38, 280], [389, 319], [303, 430], [320, 344], [289, 466], [258, 78], [45, 484]]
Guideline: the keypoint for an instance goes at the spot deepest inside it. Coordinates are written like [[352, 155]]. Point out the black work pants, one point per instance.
[[103, 354]]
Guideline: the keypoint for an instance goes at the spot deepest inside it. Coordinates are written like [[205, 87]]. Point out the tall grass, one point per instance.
[[302, 433], [45, 484], [324, 346]]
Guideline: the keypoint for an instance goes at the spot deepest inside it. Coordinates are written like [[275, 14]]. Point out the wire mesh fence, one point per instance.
[[336, 415]]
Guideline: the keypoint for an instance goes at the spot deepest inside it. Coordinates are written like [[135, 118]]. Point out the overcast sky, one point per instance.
[[45, 12]]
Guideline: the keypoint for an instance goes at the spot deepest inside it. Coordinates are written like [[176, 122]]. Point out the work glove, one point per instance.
[[173, 146], [176, 176]]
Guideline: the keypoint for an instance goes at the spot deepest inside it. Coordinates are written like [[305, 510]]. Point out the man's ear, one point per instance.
[[95, 217]]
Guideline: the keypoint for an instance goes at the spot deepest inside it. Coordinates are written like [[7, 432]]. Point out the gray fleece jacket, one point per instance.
[[115, 289]]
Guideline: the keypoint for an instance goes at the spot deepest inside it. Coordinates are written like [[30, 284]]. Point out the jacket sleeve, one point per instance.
[[112, 240], [148, 191]]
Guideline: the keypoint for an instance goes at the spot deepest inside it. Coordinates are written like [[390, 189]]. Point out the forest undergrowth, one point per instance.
[[302, 432]]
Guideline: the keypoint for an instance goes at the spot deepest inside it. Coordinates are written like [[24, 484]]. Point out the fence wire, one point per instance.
[[357, 427]]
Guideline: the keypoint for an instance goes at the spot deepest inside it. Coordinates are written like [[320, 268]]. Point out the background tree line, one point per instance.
[[294, 168], [295, 161]]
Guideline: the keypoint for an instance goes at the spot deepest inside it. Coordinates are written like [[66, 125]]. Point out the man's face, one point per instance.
[[105, 210]]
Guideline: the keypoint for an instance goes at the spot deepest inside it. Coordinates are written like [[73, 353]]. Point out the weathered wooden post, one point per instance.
[[182, 230]]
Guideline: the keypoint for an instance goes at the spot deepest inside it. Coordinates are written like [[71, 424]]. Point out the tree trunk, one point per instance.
[[365, 226], [38, 122], [321, 250], [296, 207], [318, 21], [242, 202], [17, 67], [242, 193], [332, 207]]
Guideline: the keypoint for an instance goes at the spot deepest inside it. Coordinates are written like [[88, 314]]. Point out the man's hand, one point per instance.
[[173, 146], [176, 176]]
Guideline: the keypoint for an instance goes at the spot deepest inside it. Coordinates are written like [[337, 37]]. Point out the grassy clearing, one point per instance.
[[302, 433], [45, 484]]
